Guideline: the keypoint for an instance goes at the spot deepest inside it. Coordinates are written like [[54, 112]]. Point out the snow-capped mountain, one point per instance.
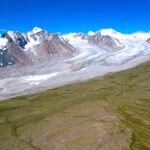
[[118, 35], [111, 47], [103, 41], [38, 44]]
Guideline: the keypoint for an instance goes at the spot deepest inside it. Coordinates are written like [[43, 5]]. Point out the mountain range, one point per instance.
[[39, 60], [37, 45]]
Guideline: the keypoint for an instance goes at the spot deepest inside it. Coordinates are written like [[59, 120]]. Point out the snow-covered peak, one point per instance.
[[113, 33], [69, 36], [12, 35], [90, 33], [35, 37], [109, 32], [73, 38], [3, 42], [141, 35], [34, 31], [118, 35]]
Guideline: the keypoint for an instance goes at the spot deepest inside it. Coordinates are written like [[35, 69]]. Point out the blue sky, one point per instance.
[[65, 16]]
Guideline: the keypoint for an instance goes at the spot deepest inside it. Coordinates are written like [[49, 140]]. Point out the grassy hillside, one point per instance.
[[105, 113]]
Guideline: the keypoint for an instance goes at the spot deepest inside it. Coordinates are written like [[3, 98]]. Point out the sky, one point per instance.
[[64, 16]]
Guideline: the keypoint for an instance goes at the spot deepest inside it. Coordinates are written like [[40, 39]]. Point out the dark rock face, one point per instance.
[[6, 59], [81, 35], [26, 48], [18, 39], [148, 40]]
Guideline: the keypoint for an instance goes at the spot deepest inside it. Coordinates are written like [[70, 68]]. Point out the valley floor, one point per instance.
[[105, 113]]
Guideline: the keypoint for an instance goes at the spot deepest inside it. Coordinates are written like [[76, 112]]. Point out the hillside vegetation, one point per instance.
[[105, 113]]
